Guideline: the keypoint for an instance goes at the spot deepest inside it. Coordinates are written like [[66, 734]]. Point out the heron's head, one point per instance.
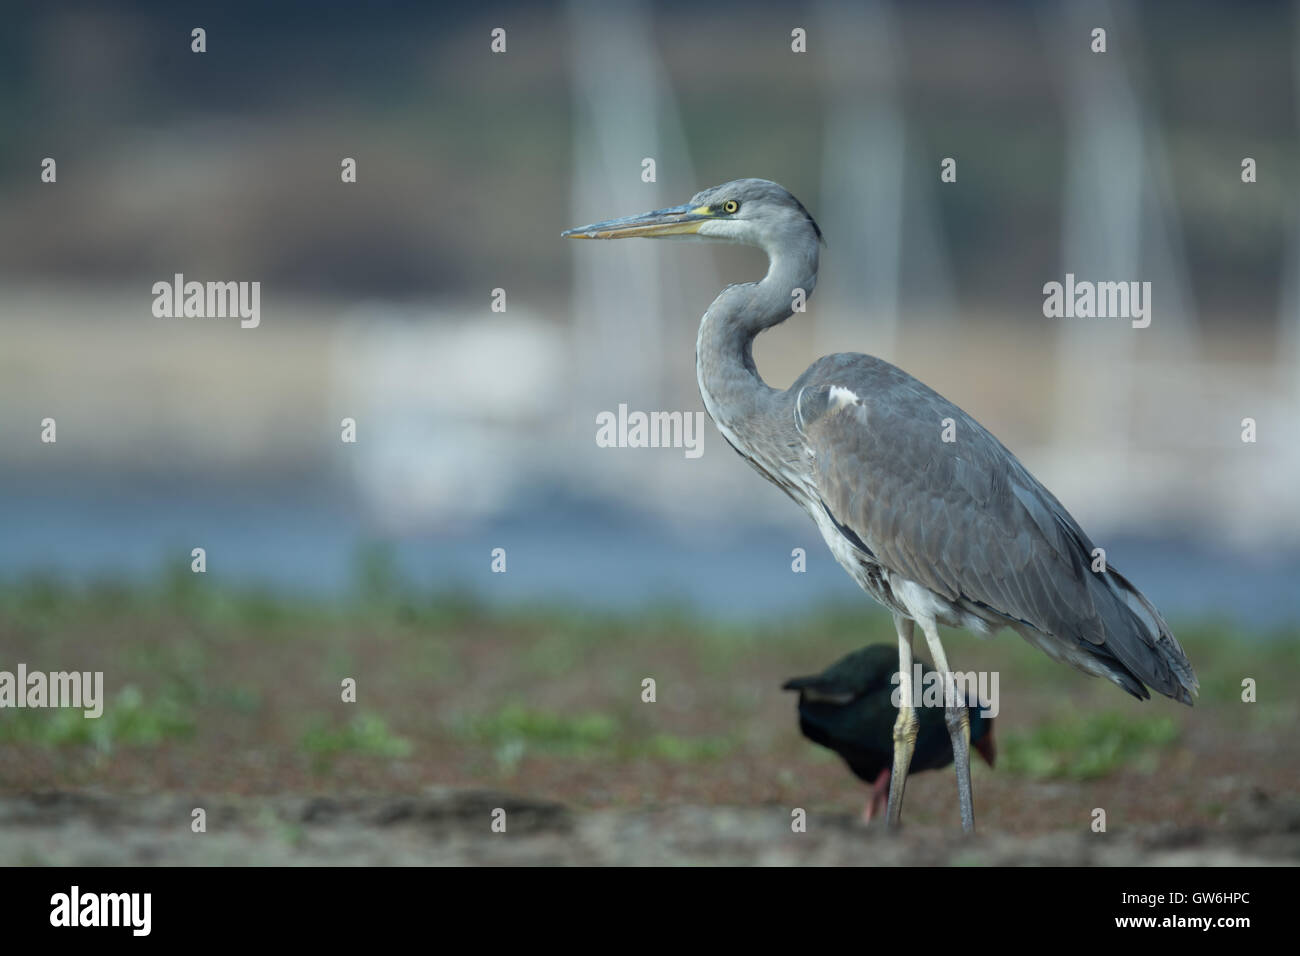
[[754, 212]]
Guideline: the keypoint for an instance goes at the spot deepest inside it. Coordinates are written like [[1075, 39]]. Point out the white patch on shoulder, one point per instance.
[[839, 397]]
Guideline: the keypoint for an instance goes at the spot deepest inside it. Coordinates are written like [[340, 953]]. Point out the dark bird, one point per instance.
[[926, 510], [849, 708]]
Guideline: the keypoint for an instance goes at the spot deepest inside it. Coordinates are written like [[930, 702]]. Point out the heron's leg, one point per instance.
[[906, 724], [957, 718]]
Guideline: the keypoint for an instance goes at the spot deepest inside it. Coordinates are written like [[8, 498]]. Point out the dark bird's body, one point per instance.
[[849, 708]]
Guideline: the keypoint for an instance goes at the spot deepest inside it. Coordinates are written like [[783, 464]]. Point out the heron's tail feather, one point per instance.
[[1141, 640]]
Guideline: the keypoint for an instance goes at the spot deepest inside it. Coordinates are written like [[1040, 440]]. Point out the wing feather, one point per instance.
[[964, 518]]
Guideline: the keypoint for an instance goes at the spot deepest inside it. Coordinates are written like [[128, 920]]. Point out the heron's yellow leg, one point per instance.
[[957, 717], [905, 726]]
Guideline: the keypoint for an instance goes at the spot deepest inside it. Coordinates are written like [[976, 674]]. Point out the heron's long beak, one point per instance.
[[677, 221]]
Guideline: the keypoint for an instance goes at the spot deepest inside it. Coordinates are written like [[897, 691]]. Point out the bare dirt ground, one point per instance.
[[232, 704], [451, 827]]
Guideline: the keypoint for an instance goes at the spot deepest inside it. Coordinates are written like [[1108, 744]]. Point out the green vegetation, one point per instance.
[[240, 688], [672, 747], [366, 734], [554, 732], [1084, 747], [128, 720], [515, 731]]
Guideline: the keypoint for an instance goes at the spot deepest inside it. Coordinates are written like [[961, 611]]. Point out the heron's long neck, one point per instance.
[[730, 385]]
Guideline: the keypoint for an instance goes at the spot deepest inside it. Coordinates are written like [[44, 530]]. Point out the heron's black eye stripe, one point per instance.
[[730, 206]]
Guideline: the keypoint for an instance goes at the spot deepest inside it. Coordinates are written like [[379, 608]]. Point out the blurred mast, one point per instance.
[[1288, 351], [1117, 226], [625, 306], [862, 179], [878, 205], [636, 306], [618, 351]]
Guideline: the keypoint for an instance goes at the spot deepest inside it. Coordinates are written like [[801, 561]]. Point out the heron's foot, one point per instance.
[[905, 730], [906, 725], [958, 720]]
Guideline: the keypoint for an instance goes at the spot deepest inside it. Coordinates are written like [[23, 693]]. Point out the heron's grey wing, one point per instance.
[[938, 500]]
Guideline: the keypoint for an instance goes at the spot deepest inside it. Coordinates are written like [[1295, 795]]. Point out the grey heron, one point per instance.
[[925, 509]]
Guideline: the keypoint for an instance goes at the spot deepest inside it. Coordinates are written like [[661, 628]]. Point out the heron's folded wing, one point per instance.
[[940, 501]]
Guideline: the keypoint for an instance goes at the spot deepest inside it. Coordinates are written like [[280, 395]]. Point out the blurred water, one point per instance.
[[283, 537]]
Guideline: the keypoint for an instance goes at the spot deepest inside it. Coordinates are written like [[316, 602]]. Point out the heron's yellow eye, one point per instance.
[[730, 206]]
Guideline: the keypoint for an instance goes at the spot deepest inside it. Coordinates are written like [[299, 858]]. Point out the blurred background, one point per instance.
[[476, 429]]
